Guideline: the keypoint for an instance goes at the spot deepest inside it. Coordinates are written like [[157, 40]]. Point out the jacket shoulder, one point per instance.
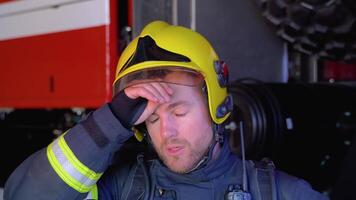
[[265, 176], [292, 187]]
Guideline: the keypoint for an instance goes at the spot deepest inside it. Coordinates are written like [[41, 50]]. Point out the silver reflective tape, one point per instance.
[[69, 168], [89, 196]]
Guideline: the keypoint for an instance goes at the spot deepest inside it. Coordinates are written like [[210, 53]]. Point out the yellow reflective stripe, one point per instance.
[[62, 173], [76, 163], [69, 168], [93, 194]]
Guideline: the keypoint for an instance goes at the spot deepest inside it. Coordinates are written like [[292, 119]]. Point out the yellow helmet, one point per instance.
[[163, 46]]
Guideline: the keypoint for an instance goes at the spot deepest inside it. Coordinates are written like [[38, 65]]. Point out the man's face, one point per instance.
[[181, 129]]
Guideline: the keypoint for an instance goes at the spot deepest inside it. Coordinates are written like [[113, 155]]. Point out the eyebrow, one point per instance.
[[170, 106]]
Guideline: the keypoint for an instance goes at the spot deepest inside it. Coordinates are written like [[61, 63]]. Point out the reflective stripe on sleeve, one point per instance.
[[93, 194], [69, 168]]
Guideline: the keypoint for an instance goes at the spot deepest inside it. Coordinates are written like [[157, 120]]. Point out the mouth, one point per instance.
[[174, 150]]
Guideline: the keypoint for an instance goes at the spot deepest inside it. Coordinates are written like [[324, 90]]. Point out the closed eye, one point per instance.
[[180, 114], [181, 110], [153, 118]]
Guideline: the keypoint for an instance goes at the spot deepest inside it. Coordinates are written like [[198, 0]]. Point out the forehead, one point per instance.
[[184, 95]]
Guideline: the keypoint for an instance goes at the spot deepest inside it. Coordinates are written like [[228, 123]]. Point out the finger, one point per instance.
[[156, 92], [167, 88], [162, 90], [141, 91]]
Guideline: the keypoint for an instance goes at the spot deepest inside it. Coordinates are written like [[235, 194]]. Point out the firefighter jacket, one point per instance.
[[73, 166]]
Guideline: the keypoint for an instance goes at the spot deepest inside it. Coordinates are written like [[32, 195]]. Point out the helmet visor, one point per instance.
[[174, 75]]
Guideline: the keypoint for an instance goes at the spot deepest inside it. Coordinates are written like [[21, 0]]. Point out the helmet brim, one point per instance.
[[157, 71]]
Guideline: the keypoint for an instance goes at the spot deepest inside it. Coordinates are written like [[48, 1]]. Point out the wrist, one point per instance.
[[127, 110]]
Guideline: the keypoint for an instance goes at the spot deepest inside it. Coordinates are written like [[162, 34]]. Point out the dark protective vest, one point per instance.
[[164, 184]]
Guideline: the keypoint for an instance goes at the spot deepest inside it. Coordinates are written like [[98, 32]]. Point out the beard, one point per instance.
[[185, 162]]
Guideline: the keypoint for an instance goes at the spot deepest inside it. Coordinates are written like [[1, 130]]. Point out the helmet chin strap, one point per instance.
[[206, 158], [219, 136], [219, 131]]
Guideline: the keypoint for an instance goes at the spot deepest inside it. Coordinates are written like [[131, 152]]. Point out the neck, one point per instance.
[[216, 152]]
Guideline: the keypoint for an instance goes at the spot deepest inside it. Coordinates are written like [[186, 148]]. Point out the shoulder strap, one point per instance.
[[134, 187], [263, 181], [128, 186]]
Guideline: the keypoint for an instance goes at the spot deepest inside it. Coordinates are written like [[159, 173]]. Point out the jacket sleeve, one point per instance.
[[70, 166], [293, 188]]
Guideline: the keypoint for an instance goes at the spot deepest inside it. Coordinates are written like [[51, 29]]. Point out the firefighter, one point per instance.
[[170, 88]]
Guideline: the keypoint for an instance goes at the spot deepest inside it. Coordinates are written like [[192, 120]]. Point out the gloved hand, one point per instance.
[[127, 110], [134, 104]]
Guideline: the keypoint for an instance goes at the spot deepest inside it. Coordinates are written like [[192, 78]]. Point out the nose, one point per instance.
[[168, 127]]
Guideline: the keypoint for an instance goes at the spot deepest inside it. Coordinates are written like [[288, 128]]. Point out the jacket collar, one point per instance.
[[206, 172]]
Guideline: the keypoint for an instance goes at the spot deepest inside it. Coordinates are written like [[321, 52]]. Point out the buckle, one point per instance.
[[222, 71], [225, 107]]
